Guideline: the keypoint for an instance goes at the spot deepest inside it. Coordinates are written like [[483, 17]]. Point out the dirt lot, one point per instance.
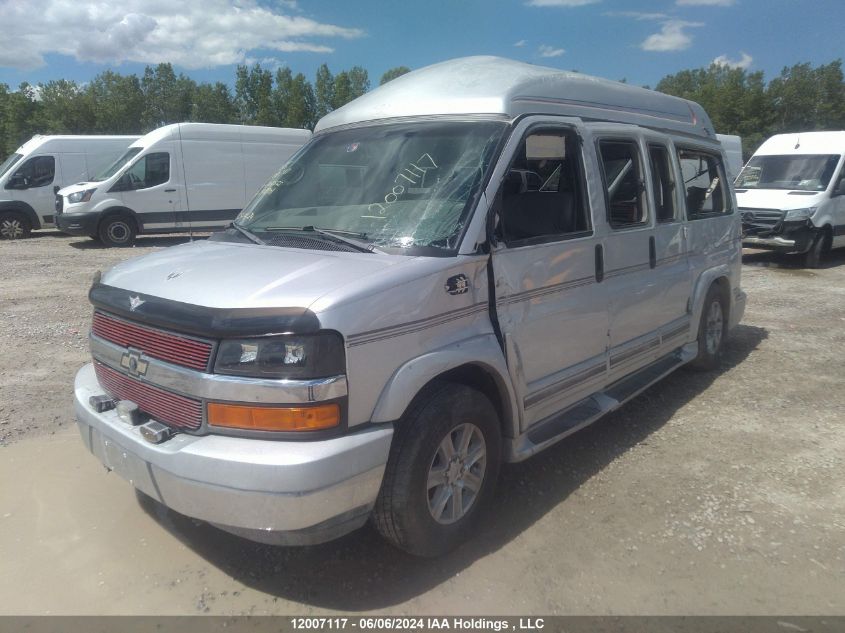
[[716, 493]]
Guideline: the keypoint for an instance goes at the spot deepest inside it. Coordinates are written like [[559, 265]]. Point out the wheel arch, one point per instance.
[[719, 277], [23, 208], [118, 210], [476, 363]]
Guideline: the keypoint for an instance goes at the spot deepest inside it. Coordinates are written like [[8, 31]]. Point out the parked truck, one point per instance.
[[179, 178], [32, 174]]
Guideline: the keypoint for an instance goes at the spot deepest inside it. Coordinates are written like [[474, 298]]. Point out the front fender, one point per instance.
[[481, 351]]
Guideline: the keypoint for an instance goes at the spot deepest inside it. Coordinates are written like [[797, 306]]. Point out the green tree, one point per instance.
[[323, 91], [392, 74], [168, 98], [21, 117], [213, 104], [359, 80], [118, 103], [66, 108], [342, 90], [254, 95], [302, 109], [807, 98]]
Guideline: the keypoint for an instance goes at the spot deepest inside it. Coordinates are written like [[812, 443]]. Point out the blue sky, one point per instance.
[[641, 41]]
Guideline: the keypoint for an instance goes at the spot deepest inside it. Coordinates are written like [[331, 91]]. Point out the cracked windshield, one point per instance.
[[397, 186]]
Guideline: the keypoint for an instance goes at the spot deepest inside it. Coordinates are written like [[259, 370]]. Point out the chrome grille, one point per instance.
[[169, 347], [162, 405]]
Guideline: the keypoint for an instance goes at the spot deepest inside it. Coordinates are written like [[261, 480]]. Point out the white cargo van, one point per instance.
[[465, 266], [31, 176], [178, 178], [792, 195], [732, 144]]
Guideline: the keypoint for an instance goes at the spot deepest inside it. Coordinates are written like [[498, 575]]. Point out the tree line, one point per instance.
[[113, 103], [802, 98]]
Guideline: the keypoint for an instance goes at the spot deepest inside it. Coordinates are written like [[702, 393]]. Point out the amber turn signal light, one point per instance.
[[240, 416]]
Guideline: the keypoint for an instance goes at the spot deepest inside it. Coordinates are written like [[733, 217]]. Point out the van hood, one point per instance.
[[80, 186], [230, 275], [780, 199]]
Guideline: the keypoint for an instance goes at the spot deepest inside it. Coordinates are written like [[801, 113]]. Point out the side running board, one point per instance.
[[585, 412]]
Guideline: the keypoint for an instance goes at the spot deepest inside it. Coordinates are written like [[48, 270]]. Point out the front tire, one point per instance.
[[441, 472], [712, 330], [818, 249], [14, 225], [117, 230]]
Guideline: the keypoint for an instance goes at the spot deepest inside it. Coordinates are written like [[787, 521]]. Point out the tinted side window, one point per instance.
[[542, 194], [662, 183], [704, 184], [36, 172], [153, 169], [623, 181]]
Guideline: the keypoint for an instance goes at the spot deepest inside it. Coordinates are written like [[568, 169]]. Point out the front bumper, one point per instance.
[[784, 237], [78, 223], [290, 493]]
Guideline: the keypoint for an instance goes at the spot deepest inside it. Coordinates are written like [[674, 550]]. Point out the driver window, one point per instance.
[[153, 169], [541, 196], [36, 172]]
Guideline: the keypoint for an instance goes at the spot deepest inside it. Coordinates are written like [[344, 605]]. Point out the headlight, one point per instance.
[[289, 356], [799, 214], [81, 196]]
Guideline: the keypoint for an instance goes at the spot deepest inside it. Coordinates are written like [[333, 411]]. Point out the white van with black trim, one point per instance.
[[791, 195], [32, 174], [179, 178], [462, 267]]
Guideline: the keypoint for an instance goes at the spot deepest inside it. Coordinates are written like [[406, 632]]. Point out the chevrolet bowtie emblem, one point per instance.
[[135, 303], [132, 362]]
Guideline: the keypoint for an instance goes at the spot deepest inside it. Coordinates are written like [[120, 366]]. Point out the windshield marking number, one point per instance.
[[414, 170]]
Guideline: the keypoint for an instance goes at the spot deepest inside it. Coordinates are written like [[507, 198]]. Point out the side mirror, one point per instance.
[[18, 181], [840, 188]]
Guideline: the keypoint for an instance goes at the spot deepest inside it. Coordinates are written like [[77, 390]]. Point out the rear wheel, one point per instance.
[[117, 230], [442, 469], [14, 225], [711, 331]]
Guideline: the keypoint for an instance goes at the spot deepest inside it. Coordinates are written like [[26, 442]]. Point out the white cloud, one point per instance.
[[672, 37], [560, 3], [189, 33], [521, 43], [637, 15], [744, 62], [549, 51], [704, 3]]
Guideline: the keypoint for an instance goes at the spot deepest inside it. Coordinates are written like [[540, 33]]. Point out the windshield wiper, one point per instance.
[[247, 233], [332, 234]]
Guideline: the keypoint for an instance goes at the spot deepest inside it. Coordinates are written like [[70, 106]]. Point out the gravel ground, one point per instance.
[[717, 493]]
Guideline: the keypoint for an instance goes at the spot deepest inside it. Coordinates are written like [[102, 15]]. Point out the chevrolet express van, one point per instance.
[[179, 178], [31, 176], [463, 267], [791, 195]]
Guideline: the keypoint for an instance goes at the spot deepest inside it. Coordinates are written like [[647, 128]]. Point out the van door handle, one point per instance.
[[169, 190], [652, 252], [599, 263]]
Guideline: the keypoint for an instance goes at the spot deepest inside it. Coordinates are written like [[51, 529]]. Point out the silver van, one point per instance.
[[462, 267]]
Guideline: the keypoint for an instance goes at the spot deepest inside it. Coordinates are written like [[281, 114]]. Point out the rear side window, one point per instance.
[[542, 194], [704, 184], [623, 181], [662, 183], [38, 171], [153, 169]]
